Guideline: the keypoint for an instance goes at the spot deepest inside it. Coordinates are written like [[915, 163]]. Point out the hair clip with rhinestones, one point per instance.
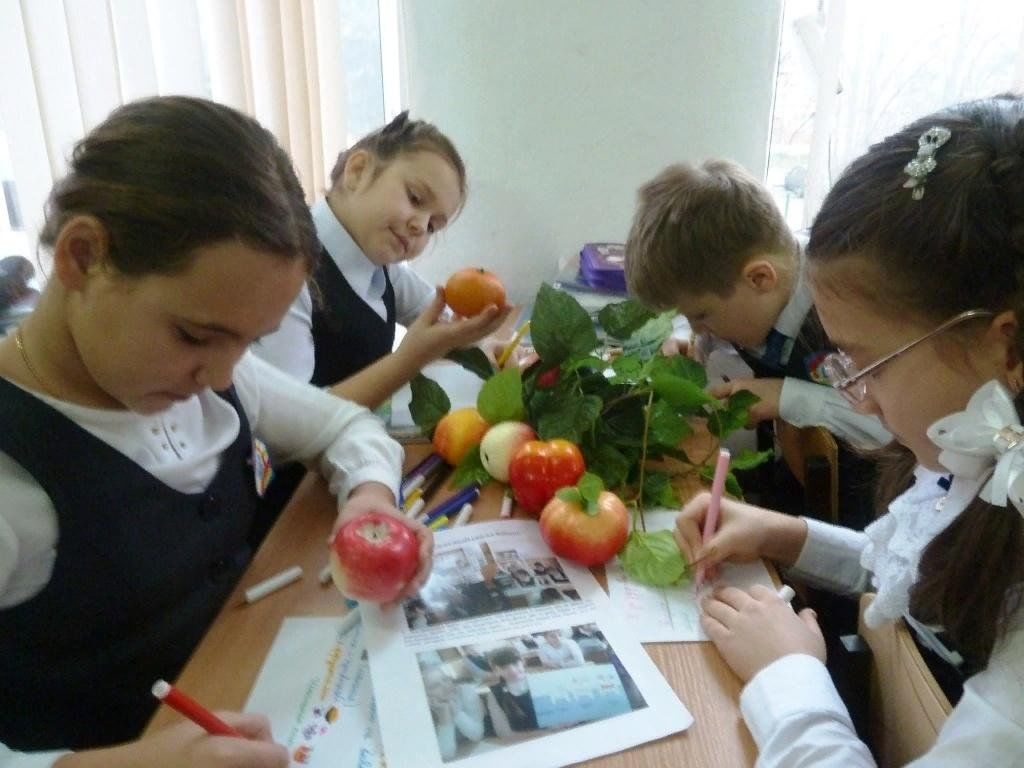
[[919, 168]]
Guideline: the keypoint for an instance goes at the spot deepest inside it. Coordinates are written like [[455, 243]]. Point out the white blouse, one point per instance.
[[791, 706]]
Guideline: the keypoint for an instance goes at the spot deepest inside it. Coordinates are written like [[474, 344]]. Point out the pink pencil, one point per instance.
[[711, 518]]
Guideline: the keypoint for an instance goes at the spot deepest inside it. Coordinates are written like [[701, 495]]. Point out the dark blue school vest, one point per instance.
[[141, 571], [347, 334]]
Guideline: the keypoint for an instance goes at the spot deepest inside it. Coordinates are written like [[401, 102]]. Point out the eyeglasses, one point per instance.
[[843, 375]]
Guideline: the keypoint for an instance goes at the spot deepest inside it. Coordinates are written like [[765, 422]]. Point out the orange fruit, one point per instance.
[[457, 432], [469, 291]]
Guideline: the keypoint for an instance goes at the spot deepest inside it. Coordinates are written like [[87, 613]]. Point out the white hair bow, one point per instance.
[[986, 437]]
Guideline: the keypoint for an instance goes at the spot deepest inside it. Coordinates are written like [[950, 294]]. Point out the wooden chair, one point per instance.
[[907, 705], [812, 455]]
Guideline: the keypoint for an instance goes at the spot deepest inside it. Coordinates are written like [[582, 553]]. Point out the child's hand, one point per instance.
[[769, 390], [744, 533], [186, 745], [374, 497], [431, 337], [696, 347], [753, 629]]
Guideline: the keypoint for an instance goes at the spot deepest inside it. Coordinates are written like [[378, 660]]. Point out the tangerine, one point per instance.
[[471, 290]]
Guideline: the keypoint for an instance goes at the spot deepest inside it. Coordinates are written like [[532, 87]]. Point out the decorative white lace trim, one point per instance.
[[897, 539]]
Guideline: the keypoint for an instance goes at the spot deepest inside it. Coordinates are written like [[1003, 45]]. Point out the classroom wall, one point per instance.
[[561, 108]]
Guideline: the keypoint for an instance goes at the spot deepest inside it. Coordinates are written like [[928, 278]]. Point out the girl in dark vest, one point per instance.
[[917, 272], [132, 427], [390, 193]]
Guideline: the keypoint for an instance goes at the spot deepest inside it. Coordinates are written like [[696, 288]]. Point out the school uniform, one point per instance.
[[353, 323], [793, 351], [121, 534], [791, 707]]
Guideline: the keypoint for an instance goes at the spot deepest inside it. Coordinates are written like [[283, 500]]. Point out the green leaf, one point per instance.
[[668, 428], [470, 470], [474, 360], [619, 320], [429, 403], [628, 369], [658, 491], [732, 486], [570, 494], [646, 341], [589, 361], [610, 464], [623, 423], [568, 416], [680, 392], [653, 558], [559, 327], [748, 459], [501, 397], [590, 487], [679, 366], [742, 400]]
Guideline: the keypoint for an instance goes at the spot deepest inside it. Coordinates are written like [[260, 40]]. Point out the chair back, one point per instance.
[[908, 707], [812, 455]]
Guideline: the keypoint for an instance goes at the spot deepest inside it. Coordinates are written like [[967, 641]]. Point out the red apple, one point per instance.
[[373, 557], [500, 444]]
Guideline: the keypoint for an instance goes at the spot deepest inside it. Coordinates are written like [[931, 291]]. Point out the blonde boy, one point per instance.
[[709, 241]]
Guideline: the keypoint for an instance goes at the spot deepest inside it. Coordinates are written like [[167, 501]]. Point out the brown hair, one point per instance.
[[168, 175], [696, 227], [959, 247], [400, 136], [504, 656]]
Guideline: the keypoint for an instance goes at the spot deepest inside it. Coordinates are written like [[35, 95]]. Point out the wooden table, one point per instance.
[[224, 667]]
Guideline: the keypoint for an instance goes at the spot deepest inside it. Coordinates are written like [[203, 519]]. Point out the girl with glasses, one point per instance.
[[917, 271]]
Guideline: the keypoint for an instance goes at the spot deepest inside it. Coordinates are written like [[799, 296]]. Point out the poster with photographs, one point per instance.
[[508, 656]]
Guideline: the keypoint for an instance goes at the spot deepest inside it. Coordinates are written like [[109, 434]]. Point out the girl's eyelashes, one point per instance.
[[188, 338]]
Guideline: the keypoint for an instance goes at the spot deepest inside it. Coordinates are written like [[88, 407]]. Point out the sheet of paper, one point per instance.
[[510, 656], [671, 614], [315, 688]]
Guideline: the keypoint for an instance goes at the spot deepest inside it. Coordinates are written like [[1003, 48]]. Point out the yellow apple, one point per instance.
[[500, 444]]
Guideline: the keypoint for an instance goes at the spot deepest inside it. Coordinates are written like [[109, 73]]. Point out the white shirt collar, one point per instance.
[[792, 316], [365, 277]]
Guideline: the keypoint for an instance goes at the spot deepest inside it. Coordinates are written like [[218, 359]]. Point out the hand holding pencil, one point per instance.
[[224, 739], [743, 533]]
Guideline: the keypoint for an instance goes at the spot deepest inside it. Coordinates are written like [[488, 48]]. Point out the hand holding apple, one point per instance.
[[377, 499], [374, 557]]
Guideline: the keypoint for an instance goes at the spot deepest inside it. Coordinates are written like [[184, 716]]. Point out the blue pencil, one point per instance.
[[452, 505]]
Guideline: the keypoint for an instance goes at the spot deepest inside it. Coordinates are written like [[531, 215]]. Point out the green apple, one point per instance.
[[500, 444]]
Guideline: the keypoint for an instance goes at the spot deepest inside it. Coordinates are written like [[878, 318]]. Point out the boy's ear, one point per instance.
[[358, 166], [761, 275], [81, 251]]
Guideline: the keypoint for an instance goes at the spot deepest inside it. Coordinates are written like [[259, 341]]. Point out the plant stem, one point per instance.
[[643, 460]]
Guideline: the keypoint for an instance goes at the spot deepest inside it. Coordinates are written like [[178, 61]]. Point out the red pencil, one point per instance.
[[193, 710]]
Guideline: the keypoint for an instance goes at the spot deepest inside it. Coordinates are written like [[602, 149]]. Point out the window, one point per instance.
[[852, 72], [67, 71]]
